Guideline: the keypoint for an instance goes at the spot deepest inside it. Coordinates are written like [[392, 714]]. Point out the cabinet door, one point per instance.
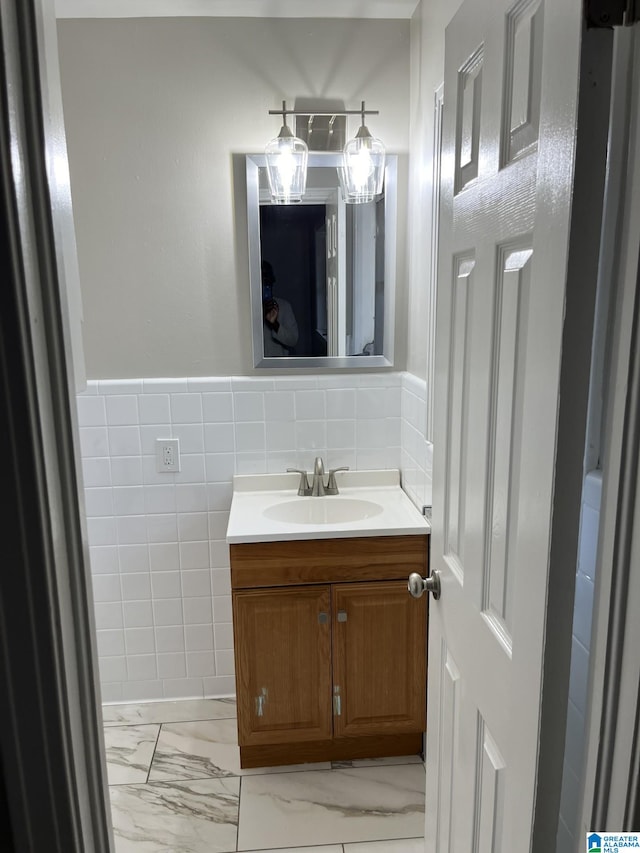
[[379, 659], [283, 664]]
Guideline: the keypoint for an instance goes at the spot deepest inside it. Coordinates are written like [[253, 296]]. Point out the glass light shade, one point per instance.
[[286, 157], [363, 172]]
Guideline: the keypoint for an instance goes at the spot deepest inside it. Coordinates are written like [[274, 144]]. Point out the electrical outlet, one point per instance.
[[167, 455]]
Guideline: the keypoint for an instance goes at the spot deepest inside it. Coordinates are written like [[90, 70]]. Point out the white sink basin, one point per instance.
[[267, 508], [325, 510]]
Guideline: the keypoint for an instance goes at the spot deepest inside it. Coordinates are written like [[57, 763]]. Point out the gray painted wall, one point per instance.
[[155, 110]]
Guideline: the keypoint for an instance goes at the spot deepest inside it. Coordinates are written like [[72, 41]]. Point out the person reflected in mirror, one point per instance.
[[279, 323]]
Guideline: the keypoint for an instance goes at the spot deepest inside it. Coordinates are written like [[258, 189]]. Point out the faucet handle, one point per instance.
[[304, 489], [332, 486]]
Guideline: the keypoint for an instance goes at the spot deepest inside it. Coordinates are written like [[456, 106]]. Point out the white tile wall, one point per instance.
[[416, 460], [159, 558]]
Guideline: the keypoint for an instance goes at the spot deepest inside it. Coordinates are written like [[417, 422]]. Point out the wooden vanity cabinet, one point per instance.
[[283, 662], [330, 649], [379, 659]]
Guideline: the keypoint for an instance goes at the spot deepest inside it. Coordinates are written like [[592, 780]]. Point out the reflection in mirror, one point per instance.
[[322, 273]]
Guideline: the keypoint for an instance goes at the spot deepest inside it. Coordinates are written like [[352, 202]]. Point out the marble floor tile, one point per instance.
[[129, 752], [200, 816], [329, 807], [205, 749], [169, 712], [398, 845], [377, 762]]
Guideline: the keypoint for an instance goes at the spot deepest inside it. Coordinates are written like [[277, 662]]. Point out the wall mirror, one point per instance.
[[330, 266]]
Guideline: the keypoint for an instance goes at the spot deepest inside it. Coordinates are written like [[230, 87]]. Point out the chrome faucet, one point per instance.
[[318, 489]]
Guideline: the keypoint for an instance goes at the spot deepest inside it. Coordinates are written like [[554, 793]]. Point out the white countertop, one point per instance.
[[375, 496]]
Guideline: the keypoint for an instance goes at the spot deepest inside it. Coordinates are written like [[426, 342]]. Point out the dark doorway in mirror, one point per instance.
[[293, 242]]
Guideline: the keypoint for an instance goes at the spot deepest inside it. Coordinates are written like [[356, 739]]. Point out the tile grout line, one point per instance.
[[153, 755], [238, 825]]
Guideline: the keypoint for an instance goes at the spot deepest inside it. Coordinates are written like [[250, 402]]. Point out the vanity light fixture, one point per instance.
[[364, 157], [361, 175], [286, 163]]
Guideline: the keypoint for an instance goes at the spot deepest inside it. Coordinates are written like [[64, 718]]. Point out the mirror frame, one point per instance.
[[254, 162]]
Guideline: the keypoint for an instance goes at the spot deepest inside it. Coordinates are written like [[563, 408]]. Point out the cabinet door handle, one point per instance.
[[342, 615], [261, 701], [337, 702], [323, 618]]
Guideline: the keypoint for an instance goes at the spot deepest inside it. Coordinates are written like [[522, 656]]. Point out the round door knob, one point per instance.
[[418, 585]]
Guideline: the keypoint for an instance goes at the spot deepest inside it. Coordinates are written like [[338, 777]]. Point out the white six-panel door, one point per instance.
[[510, 95]]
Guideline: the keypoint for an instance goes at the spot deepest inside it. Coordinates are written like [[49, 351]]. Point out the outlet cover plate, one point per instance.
[[167, 455]]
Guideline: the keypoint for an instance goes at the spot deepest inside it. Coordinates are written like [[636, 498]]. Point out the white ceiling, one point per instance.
[[235, 8]]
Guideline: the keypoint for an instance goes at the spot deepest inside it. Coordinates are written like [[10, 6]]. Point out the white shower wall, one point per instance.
[[159, 559]]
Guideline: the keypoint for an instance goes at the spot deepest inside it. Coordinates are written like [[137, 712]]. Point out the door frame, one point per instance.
[[611, 785], [54, 785]]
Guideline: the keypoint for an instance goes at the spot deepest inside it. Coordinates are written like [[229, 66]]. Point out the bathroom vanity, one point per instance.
[[330, 649]]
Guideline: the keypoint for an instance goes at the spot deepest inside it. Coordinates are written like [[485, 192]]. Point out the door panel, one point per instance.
[[489, 793], [510, 106], [468, 119], [379, 659], [284, 686], [511, 297], [458, 416], [444, 725], [522, 79]]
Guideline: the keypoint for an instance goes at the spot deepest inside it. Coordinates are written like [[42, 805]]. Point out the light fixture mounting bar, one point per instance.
[[284, 113]]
